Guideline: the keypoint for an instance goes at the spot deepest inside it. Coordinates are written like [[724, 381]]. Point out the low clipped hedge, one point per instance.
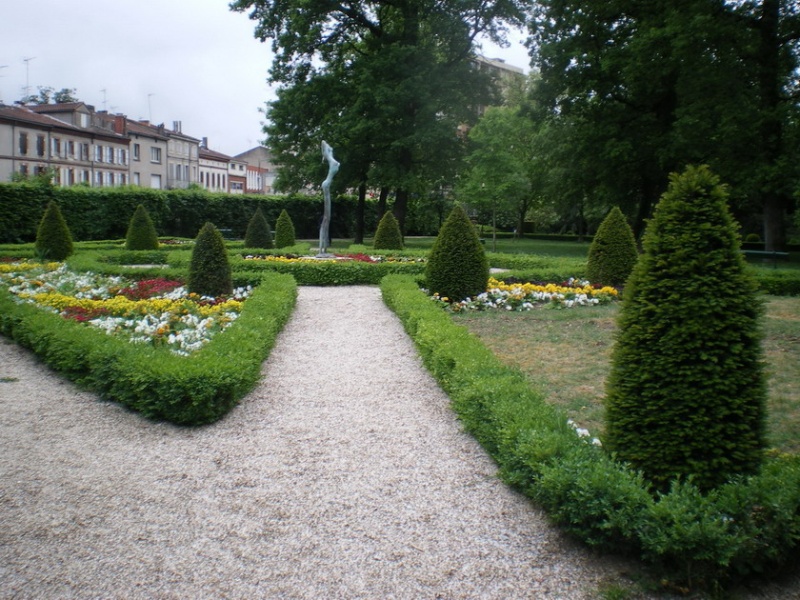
[[329, 272], [193, 390], [746, 527]]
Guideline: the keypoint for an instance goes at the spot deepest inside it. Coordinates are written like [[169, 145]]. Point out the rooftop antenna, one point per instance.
[[27, 62], [149, 108]]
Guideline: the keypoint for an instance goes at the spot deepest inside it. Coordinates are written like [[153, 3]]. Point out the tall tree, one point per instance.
[[645, 87], [406, 66]]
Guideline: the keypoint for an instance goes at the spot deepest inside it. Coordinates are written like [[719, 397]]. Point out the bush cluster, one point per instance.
[[686, 395], [284, 231], [142, 233], [258, 234], [154, 381], [53, 238], [745, 527], [457, 265], [388, 235], [209, 269], [612, 253]]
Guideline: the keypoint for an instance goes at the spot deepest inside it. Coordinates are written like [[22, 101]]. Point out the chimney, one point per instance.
[[176, 126], [204, 143]]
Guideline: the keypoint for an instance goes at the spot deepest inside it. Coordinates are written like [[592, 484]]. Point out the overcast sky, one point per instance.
[[192, 61]]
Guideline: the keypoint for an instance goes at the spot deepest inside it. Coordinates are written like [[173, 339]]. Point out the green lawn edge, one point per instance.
[[748, 527], [194, 390]]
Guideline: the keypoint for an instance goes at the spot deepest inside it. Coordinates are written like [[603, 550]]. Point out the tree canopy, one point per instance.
[[387, 82]]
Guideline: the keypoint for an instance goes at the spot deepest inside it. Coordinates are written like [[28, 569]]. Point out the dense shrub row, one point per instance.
[[746, 527], [160, 385], [104, 213]]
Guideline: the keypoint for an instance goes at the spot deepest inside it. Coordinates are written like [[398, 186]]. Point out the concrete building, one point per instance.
[[237, 176], [183, 158], [214, 167], [149, 145], [68, 139], [261, 170]]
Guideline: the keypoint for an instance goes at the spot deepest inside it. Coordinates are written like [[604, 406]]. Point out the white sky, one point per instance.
[[192, 61]]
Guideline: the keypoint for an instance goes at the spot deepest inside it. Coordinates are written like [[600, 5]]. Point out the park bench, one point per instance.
[[767, 255]]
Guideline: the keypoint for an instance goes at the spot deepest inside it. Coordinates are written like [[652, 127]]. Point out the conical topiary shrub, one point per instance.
[[141, 231], [686, 394], [457, 267], [53, 238], [387, 235], [284, 231], [209, 269], [613, 252], [258, 234]]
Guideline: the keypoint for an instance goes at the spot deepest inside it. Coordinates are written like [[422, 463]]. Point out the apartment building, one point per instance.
[[214, 168], [67, 140], [237, 176], [149, 145], [261, 170]]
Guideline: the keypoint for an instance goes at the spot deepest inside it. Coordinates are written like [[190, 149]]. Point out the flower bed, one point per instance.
[[159, 312], [526, 296]]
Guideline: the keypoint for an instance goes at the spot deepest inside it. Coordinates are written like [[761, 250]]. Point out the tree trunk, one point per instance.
[[384, 196], [362, 202], [400, 208]]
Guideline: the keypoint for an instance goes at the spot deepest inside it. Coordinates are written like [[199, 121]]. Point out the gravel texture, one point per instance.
[[344, 474]]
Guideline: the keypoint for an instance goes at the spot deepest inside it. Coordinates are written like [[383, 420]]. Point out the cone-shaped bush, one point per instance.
[[613, 252], [686, 394], [284, 231], [141, 231], [388, 236], [457, 267], [53, 238], [258, 234], [209, 269]]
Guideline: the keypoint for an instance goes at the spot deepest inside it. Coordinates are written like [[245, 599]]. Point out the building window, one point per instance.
[[23, 143], [86, 176], [23, 169], [98, 178], [55, 146], [98, 153], [71, 177], [109, 179], [123, 179], [155, 182], [110, 155], [136, 152], [155, 155], [39, 145], [71, 149], [137, 179], [122, 156], [84, 151]]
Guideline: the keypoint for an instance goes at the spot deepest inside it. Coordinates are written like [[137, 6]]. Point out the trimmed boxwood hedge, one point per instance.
[[192, 390], [747, 527]]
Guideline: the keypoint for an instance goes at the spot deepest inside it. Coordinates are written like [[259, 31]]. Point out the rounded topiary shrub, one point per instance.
[[53, 238], [613, 252], [457, 267], [686, 393], [258, 234], [284, 231], [209, 269], [388, 236], [141, 231]]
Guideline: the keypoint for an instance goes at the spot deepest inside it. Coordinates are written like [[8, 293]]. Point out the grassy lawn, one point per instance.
[[566, 353]]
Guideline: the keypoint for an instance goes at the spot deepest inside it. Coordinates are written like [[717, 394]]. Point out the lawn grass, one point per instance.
[[566, 353]]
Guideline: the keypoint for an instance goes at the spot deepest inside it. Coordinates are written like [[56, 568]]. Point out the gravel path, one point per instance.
[[343, 475]]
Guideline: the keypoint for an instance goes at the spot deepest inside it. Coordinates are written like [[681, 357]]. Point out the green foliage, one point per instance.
[[53, 238], [284, 231], [160, 385], [686, 393], [388, 236], [258, 234], [613, 252], [141, 231], [457, 265], [703, 540], [209, 269]]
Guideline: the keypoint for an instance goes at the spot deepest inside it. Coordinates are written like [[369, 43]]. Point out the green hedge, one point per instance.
[[191, 390], [746, 527], [104, 213]]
